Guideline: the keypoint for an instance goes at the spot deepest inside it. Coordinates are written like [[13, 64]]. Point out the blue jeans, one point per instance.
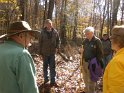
[[49, 61], [106, 59]]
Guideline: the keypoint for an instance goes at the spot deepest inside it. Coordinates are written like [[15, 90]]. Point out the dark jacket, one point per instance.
[[106, 47], [93, 49], [49, 41]]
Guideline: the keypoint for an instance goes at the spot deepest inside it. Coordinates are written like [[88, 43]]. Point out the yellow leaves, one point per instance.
[[7, 1]]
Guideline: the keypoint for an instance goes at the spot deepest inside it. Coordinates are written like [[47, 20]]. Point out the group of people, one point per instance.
[[17, 68], [106, 54], [96, 53]]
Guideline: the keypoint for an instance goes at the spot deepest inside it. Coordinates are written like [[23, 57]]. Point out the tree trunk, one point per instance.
[[110, 23], [56, 14], [45, 12], [122, 12], [36, 13], [50, 10], [63, 23], [116, 4], [108, 17], [22, 9], [103, 19], [75, 21]]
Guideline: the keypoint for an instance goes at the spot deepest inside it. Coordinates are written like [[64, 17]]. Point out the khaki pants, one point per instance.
[[89, 85]]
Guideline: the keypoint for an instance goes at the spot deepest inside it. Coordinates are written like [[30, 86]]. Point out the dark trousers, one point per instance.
[[106, 59], [49, 61]]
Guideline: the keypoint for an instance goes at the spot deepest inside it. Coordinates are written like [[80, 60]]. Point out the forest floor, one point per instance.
[[68, 75]]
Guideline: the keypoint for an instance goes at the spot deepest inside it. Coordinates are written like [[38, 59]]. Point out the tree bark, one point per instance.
[[22, 9], [103, 18], [50, 10], [45, 12], [75, 21], [122, 12], [116, 4], [63, 23]]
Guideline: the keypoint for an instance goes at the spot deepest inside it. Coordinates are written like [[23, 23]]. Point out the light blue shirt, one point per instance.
[[17, 71]]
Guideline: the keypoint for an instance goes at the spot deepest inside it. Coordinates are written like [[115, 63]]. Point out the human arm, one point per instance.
[[25, 73], [58, 42], [99, 52], [99, 49], [116, 75]]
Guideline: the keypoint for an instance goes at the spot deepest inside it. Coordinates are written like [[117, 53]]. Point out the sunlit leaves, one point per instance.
[[6, 1], [9, 11]]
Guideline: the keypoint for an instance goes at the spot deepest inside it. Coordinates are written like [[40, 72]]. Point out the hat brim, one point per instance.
[[35, 32]]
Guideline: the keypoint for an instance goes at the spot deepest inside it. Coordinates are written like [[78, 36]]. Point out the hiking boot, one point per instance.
[[54, 84]]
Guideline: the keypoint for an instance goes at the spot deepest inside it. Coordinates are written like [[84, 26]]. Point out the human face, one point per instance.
[[30, 39], [23, 38], [49, 25], [27, 37], [105, 37], [89, 35]]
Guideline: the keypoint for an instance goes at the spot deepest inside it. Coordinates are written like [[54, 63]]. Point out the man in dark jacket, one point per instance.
[[92, 48], [49, 45], [107, 49]]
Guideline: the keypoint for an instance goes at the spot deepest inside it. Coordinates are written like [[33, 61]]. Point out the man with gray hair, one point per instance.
[[92, 49]]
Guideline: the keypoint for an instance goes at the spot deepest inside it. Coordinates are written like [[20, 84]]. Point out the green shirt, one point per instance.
[[17, 71]]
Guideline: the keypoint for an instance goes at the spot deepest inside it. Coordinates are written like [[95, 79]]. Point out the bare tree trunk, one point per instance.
[[63, 23], [57, 14], [110, 23], [91, 19], [45, 12], [115, 11], [108, 17], [22, 6], [122, 12], [103, 19], [75, 21], [94, 14], [57, 6], [50, 10], [36, 13]]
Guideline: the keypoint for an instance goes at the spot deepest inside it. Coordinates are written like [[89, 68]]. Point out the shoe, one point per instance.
[[54, 84]]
